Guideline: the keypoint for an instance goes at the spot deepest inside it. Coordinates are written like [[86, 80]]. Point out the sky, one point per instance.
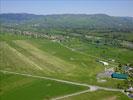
[[46, 7]]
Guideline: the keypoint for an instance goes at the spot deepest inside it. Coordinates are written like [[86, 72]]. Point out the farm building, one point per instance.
[[119, 76]]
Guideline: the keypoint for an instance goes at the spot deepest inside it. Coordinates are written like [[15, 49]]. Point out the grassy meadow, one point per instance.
[[48, 58], [14, 87], [120, 55], [99, 95], [43, 57]]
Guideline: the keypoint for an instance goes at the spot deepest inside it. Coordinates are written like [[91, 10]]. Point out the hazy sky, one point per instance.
[[110, 7]]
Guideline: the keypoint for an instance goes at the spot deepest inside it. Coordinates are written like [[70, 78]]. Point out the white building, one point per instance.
[[104, 63]]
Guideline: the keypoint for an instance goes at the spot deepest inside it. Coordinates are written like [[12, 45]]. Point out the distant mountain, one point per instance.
[[67, 22]]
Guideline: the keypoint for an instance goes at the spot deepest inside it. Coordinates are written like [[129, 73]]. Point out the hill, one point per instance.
[[67, 22]]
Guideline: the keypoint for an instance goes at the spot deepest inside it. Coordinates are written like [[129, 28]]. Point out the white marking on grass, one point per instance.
[[46, 57], [23, 57]]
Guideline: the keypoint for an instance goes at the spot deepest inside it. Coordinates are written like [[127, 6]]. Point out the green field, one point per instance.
[[120, 55], [47, 58], [44, 57], [14, 87], [99, 95]]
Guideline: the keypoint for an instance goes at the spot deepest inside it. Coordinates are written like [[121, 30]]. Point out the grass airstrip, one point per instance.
[[46, 58]]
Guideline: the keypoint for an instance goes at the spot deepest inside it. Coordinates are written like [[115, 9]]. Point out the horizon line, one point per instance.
[[63, 14]]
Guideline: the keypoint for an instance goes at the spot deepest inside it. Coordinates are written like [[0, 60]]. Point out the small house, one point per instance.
[[119, 76]]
